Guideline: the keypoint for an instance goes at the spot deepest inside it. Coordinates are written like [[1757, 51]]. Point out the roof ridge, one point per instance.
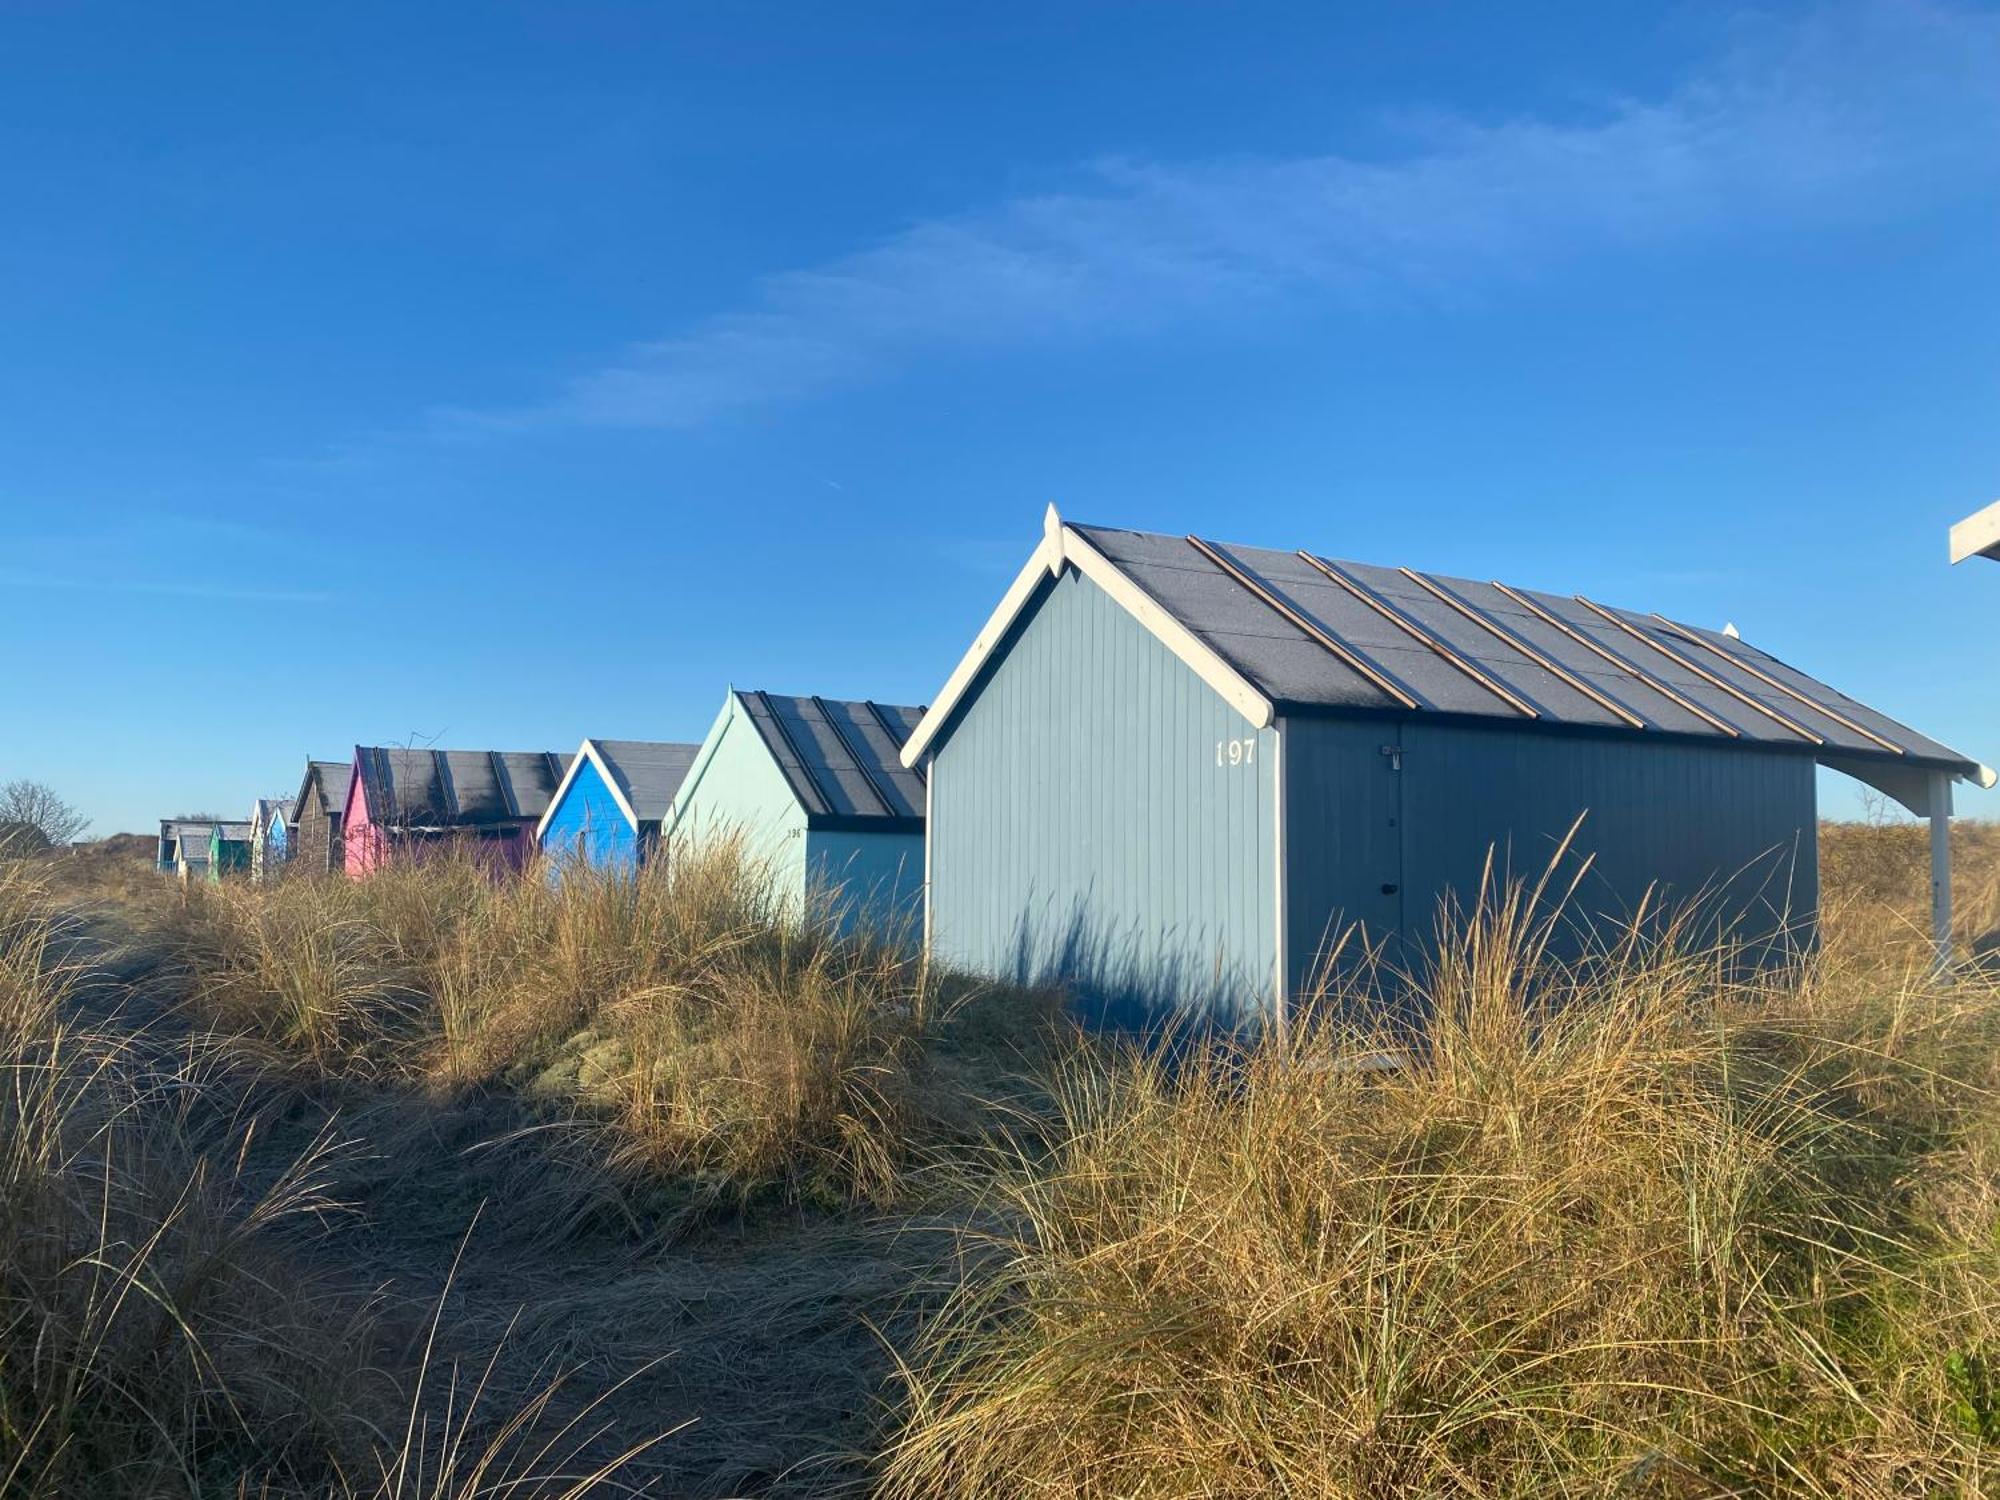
[[1245, 619]]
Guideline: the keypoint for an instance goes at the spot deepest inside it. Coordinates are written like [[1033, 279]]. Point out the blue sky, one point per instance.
[[495, 375]]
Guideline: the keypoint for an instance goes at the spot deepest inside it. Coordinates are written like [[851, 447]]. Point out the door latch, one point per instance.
[[1395, 754]]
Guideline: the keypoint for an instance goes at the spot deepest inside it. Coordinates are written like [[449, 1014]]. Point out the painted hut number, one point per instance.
[[1235, 752]]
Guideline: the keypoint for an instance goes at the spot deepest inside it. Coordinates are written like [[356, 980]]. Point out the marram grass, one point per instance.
[[1626, 1227]]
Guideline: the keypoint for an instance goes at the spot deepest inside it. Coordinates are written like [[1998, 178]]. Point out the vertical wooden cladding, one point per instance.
[[1730, 831], [1082, 829], [1100, 816], [875, 881], [736, 790], [587, 824], [1377, 851], [315, 839], [1343, 846], [868, 873], [363, 847]]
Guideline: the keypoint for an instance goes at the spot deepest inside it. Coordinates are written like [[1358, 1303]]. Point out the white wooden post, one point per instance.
[[1940, 811], [930, 775]]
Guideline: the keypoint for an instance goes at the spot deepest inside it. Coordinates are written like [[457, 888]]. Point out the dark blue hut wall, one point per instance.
[[1343, 845], [1100, 816], [874, 881], [1732, 830]]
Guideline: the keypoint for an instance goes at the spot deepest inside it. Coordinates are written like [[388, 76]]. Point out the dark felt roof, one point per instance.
[[648, 772], [457, 788], [1565, 660], [840, 757], [329, 781]]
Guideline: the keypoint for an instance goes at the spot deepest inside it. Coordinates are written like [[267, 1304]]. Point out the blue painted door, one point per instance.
[[1344, 850]]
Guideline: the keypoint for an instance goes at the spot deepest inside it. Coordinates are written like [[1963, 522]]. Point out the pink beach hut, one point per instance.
[[403, 803]]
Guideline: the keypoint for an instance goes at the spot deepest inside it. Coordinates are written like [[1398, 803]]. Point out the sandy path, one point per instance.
[[752, 1342]]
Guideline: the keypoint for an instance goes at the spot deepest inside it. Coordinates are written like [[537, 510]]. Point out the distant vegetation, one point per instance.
[[31, 805], [437, 1185]]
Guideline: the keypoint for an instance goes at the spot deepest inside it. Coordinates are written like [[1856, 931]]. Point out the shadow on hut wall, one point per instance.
[[1164, 984], [1180, 983]]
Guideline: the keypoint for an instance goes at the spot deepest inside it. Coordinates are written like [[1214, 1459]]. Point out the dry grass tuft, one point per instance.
[[1876, 883], [715, 1034], [1617, 1228], [143, 1347], [157, 1335], [1636, 1225]]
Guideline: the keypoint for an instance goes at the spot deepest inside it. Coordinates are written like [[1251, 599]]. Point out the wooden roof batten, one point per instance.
[[1217, 598], [1417, 633], [1769, 681], [1500, 633], [1303, 623], [854, 754], [1746, 699], [505, 777], [805, 771], [898, 736], [1605, 653], [385, 783]]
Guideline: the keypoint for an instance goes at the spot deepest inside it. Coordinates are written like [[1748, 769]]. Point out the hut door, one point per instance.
[[1392, 889], [1344, 795]]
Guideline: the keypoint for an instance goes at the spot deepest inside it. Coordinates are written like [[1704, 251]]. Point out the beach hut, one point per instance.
[[608, 810], [268, 835], [1172, 774], [169, 860], [193, 840], [814, 788], [405, 802], [228, 851], [313, 836]]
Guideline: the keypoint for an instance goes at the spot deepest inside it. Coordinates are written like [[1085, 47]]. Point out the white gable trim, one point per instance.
[[711, 745], [267, 813], [1046, 559], [1234, 688], [1060, 547], [1978, 535], [589, 748]]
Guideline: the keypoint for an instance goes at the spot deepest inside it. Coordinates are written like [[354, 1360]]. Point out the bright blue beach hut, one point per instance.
[[607, 811], [268, 838]]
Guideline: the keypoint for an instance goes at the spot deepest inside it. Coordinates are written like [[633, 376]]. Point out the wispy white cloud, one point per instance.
[[161, 554], [1857, 112], [165, 588]]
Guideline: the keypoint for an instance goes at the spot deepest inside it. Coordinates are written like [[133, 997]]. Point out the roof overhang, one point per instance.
[[861, 823], [1063, 547], [1978, 535], [1925, 790], [604, 774]]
